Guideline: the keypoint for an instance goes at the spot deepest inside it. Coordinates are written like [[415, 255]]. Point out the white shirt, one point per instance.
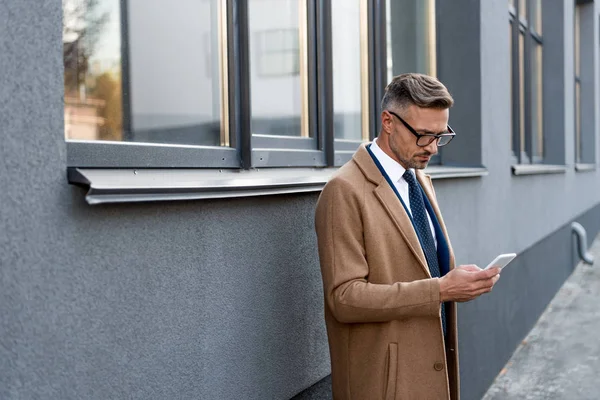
[[395, 171]]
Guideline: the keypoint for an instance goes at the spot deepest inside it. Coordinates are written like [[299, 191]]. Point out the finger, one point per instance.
[[487, 273], [482, 287], [482, 284], [482, 291], [470, 267]]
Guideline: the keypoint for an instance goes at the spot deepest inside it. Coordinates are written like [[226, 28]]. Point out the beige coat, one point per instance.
[[382, 308]]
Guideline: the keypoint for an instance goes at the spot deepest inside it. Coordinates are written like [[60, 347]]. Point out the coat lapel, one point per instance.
[[427, 185], [397, 214], [390, 202]]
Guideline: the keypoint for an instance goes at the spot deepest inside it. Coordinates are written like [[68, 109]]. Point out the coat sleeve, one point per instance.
[[344, 268]]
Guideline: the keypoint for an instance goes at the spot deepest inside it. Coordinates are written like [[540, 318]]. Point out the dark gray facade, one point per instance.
[[221, 299]]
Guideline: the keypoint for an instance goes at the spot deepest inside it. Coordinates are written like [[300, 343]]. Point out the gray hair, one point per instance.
[[416, 89]]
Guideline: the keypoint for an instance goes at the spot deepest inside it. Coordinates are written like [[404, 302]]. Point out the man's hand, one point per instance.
[[467, 282]]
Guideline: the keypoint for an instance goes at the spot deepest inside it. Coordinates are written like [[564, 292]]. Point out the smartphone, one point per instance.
[[502, 260]]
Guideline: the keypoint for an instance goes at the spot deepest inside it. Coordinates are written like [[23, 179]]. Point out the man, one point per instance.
[[388, 271]]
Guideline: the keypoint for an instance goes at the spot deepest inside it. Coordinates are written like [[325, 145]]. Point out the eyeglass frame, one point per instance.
[[435, 136]]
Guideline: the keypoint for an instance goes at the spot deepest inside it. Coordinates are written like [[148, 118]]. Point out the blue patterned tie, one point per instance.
[[419, 214]]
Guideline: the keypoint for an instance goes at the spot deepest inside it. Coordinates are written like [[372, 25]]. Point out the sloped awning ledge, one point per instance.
[[144, 185], [538, 169]]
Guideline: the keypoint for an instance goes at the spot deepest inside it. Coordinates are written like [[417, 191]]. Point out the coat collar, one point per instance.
[[390, 202], [365, 163]]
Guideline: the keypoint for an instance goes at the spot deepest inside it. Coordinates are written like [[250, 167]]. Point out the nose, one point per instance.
[[432, 147]]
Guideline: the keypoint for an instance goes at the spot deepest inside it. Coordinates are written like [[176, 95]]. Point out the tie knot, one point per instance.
[[409, 177]]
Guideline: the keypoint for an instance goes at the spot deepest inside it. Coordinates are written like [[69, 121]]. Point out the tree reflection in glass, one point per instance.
[[92, 70]]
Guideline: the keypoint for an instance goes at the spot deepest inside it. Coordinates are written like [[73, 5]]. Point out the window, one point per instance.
[[350, 73], [351, 81], [577, 50], [279, 68], [527, 80], [92, 71], [139, 73], [172, 94], [411, 37], [283, 106], [230, 85], [584, 83], [411, 40], [278, 53]]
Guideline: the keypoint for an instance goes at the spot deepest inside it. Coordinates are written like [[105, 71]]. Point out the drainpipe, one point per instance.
[[579, 231]]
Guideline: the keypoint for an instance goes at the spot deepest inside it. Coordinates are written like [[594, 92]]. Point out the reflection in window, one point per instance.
[[170, 91], [176, 71], [527, 70], [411, 37], [512, 77], [278, 52], [577, 83], [278, 73], [522, 92], [347, 74], [523, 8], [536, 16], [537, 127], [92, 70]]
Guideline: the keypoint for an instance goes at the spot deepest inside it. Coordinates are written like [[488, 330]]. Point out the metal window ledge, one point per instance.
[[144, 185], [451, 172], [580, 167], [538, 169]]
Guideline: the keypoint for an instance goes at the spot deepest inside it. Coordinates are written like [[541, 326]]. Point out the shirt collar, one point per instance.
[[390, 166]]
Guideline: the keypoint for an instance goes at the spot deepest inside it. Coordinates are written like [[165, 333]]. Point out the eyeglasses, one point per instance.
[[424, 140]]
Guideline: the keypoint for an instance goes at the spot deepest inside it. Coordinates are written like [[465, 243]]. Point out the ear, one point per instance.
[[386, 122]]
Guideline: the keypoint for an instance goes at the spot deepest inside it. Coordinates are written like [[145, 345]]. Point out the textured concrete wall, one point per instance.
[[198, 300], [222, 299]]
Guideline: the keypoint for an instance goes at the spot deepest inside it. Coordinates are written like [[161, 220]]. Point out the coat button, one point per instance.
[[438, 366]]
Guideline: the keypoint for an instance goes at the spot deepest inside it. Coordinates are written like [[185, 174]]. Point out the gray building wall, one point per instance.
[[222, 299]]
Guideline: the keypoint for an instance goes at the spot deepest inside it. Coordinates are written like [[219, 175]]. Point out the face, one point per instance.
[[400, 144]]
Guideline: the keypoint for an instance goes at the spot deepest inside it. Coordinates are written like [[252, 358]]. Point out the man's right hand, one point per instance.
[[467, 282]]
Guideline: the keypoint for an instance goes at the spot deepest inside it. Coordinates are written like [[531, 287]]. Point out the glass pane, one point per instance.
[[174, 93], [277, 75], [577, 62], [577, 33], [177, 99], [578, 122], [92, 70], [411, 37], [523, 8], [347, 77], [537, 127], [522, 92], [510, 68], [536, 16]]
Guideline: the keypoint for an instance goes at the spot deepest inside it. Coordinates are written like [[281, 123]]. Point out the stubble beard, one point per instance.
[[409, 163]]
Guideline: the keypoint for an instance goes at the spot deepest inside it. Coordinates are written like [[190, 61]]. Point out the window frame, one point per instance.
[[432, 54], [345, 148], [268, 150], [132, 154], [584, 80], [246, 149], [523, 113], [279, 157]]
